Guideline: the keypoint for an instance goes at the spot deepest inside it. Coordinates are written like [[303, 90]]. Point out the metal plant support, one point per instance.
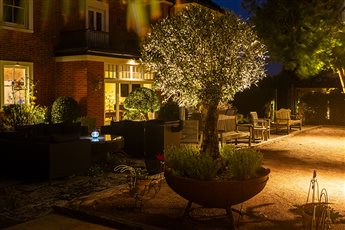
[[141, 185], [316, 214]]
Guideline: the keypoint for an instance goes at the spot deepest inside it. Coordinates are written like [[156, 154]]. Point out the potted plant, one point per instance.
[[236, 176], [203, 58]]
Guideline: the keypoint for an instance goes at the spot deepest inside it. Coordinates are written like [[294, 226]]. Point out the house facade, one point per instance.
[[87, 49]]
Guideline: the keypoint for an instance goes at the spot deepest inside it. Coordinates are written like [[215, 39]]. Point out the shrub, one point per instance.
[[23, 114], [90, 122], [241, 163], [141, 101], [186, 160], [65, 109], [169, 111], [133, 115]]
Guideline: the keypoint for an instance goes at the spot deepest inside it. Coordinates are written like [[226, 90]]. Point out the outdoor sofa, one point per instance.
[[44, 152]]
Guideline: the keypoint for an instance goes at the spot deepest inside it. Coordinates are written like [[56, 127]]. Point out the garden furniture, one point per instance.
[[104, 146], [260, 126], [228, 130], [283, 118], [44, 152], [190, 132]]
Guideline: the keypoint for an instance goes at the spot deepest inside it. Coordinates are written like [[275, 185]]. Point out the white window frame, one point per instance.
[[29, 19], [95, 11], [100, 7], [29, 78]]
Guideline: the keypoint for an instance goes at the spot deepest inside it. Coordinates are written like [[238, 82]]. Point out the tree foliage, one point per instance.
[[199, 55], [306, 36], [141, 101], [202, 57]]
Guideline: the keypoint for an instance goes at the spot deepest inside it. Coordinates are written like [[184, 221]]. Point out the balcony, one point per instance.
[[83, 40], [90, 41]]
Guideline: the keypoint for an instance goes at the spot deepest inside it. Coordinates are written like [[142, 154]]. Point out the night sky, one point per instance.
[[234, 5]]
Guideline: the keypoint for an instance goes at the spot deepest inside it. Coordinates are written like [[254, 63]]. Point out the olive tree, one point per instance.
[[202, 57]]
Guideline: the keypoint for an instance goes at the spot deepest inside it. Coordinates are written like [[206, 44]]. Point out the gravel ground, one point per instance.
[[292, 160]]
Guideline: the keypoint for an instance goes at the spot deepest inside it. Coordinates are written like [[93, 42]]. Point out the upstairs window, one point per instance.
[[17, 13], [97, 17]]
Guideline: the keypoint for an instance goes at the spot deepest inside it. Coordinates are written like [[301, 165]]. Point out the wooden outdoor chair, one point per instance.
[[260, 126], [190, 133], [228, 130], [284, 119]]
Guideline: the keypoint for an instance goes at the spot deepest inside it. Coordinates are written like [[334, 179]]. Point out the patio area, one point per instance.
[[292, 159]]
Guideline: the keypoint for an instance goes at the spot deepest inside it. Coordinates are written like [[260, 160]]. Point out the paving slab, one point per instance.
[[57, 222]]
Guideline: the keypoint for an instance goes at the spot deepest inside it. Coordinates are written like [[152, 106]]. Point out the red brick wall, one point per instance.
[[79, 79], [95, 95], [71, 80], [73, 15], [36, 47], [118, 34]]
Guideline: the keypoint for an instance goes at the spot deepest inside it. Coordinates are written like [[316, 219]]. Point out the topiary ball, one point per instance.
[[65, 109]]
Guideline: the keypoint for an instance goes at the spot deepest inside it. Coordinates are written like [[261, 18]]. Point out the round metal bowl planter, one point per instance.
[[217, 193]]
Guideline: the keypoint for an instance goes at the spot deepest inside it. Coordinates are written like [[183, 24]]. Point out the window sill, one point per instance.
[[17, 29]]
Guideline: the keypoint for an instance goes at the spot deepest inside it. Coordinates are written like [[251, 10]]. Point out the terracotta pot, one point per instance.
[[217, 194]]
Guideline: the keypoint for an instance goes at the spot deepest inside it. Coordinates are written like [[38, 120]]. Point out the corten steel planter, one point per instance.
[[216, 194]]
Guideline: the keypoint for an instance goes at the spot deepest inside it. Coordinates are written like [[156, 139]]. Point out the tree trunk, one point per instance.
[[341, 73], [210, 143]]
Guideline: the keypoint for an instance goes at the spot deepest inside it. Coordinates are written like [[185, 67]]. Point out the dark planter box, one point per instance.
[[145, 139], [44, 152]]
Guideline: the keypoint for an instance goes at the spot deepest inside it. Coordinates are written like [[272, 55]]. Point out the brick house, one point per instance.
[[86, 49]]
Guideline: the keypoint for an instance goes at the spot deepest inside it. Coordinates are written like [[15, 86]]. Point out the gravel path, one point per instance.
[[292, 160]]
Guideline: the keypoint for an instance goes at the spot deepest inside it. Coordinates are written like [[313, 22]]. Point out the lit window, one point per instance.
[[15, 83], [17, 13]]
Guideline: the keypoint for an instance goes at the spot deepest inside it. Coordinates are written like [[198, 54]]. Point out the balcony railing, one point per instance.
[[90, 39]]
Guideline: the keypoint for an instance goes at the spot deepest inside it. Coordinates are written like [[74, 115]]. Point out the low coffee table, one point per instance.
[[105, 145]]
